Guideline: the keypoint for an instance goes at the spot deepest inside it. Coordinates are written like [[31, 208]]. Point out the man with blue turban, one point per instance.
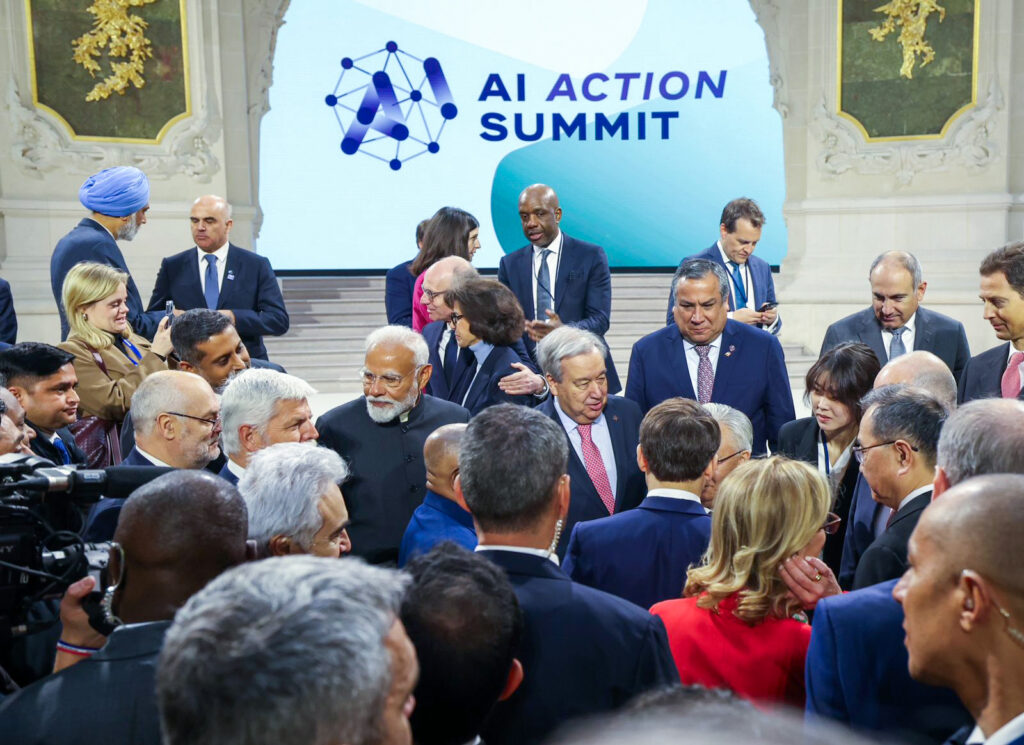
[[117, 199]]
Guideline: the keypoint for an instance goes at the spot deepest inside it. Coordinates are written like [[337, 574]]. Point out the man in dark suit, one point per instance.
[[399, 284], [221, 276], [557, 279], [896, 323], [997, 372], [8, 318], [602, 430], [751, 288], [707, 357], [381, 436], [176, 533], [642, 555], [586, 651], [896, 448], [117, 199]]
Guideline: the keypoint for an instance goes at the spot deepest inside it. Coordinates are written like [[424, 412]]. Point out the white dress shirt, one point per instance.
[[236, 469], [222, 260], [674, 494], [693, 359], [541, 552], [602, 438], [1005, 734], [152, 458], [553, 258], [907, 338]]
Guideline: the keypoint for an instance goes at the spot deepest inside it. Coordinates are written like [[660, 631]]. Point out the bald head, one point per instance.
[[177, 419], [440, 278], [441, 456], [211, 222], [540, 214], [921, 369]]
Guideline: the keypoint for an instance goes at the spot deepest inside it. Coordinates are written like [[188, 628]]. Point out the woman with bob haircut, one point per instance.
[[835, 384], [737, 625], [487, 320], [450, 232]]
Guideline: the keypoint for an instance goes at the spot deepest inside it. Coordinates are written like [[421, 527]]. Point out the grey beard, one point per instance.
[[129, 229]]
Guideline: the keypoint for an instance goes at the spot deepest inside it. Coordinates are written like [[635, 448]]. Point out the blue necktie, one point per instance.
[[65, 456], [543, 287], [740, 291], [212, 291]]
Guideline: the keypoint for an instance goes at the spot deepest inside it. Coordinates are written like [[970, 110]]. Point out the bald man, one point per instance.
[[963, 599], [221, 276], [176, 533], [556, 278], [443, 516]]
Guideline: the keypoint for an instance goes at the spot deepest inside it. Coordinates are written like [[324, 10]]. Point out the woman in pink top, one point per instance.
[[737, 626], [450, 232]]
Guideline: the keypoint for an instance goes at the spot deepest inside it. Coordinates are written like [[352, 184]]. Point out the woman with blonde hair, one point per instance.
[[737, 626], [110, 361]]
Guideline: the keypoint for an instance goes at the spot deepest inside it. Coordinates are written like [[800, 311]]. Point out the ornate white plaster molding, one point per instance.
[[767, 13], [968, 143]]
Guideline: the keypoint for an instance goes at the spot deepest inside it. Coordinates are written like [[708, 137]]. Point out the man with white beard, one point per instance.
[[381, 436]]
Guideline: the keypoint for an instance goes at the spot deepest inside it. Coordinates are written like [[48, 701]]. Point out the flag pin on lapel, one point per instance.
[[231, 274], [732, 349]]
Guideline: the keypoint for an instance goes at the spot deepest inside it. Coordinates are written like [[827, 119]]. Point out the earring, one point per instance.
[[558, 534], [85, 316]]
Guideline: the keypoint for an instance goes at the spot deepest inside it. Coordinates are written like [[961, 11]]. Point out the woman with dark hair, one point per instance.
[[835, 385], [450, 232], [487, 321]]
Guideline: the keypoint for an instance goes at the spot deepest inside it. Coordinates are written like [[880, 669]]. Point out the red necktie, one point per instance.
[[1011, 377], [595, 467]]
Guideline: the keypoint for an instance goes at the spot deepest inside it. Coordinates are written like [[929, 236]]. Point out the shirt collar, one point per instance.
[[555, 247], [725, 257], [221, 254], [152, 458], [674, 494], [917, 492], [541, 552], [570, 425], [236, 469], [1006, 734], [909, 325], [449, 507], [716, 343]]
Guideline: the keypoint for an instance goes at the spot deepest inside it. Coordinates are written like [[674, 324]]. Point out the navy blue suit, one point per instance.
[[583, 290], [583, 652], [101, 522], [483, 389], [624, 419], [438, 386], [228, 475], [857, 670], [751, 376], [8, 318], [437, 520], [983, 375], [760, 278], [90, 241], [399, 284], [249, 290], [860, 530], [641, 555]]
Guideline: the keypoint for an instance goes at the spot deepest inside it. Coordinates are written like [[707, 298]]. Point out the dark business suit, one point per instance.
[[478, 392], [623, 417], [8, 318], [109, 697], [102, 519], [90, 241], [760, 278], [751, 376], [933, 332], [857, 673], [398, 286], [44, 448], [438, 385], [886, 557], [583, 652], [859, 531], [641, 555], [983, 375], [799, 440], [249, 290], [583, 290], [227, 474]]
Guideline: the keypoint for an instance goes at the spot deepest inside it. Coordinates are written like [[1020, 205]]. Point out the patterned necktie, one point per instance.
[[211, 291], [594, 464], [705, 374], [62, 449], [739, 290], [543, 286], [1011, 377], [896, 346]]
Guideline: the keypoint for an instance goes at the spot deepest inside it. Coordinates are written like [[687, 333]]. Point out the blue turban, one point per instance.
[[117, 192]]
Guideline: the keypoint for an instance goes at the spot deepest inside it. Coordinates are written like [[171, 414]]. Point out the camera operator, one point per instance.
[[175, 534]]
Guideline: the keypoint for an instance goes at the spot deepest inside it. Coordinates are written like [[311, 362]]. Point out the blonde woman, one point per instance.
[[110, 360], [735, 627]]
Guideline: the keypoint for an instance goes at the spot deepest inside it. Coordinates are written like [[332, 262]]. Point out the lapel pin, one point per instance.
[[231, 274], [732, 349]]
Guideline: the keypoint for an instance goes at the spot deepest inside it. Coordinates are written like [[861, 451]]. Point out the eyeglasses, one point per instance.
[[391, 382], [720, 461], [431, 294], [455, 318], [211, 422], [832, 522], [858, 450]]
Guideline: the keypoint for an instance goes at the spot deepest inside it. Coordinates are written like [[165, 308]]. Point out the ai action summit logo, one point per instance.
[[384, 114]]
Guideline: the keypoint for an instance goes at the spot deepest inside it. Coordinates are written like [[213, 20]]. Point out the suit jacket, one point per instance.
[[437, 520], [109, 395], [886, 557], [398, 286], [101, 521], [483, 388], [249, 290], [857, 671], [860, 531], [109, 697], [42, 446], [751, 376], [586, 652], [8, 318], [583, 290], [983, 375], [438, 386], [623, 417], [227, 474], [760, 278], [387, 479], [641, 555], [90, 241], [933, 332]]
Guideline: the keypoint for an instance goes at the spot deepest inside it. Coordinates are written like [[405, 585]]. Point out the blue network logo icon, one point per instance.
[[378, 125]]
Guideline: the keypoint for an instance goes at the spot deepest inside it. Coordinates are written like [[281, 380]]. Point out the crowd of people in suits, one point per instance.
[[529, 556]]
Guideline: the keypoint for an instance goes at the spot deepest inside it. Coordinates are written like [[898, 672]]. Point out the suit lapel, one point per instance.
[[870, 333], [728, 355], [232, 274], [565, 267], [676, 354], [478, 387], [923, 331], [619, 448], [522, 278]]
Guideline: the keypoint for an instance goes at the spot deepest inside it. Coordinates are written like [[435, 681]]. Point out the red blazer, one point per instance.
[[763, 662]]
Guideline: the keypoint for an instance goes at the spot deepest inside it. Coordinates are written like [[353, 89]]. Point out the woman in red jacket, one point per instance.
[[737, 626]]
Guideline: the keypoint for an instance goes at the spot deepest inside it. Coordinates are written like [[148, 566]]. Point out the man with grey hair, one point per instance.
[[707, 357], [260, 408], [602, 430], [381, 435], [896, 323], [302, 650], [734, 451], [295, 503]]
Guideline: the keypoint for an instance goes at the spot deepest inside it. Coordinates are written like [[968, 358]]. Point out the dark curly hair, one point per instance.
[[491, 309]]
